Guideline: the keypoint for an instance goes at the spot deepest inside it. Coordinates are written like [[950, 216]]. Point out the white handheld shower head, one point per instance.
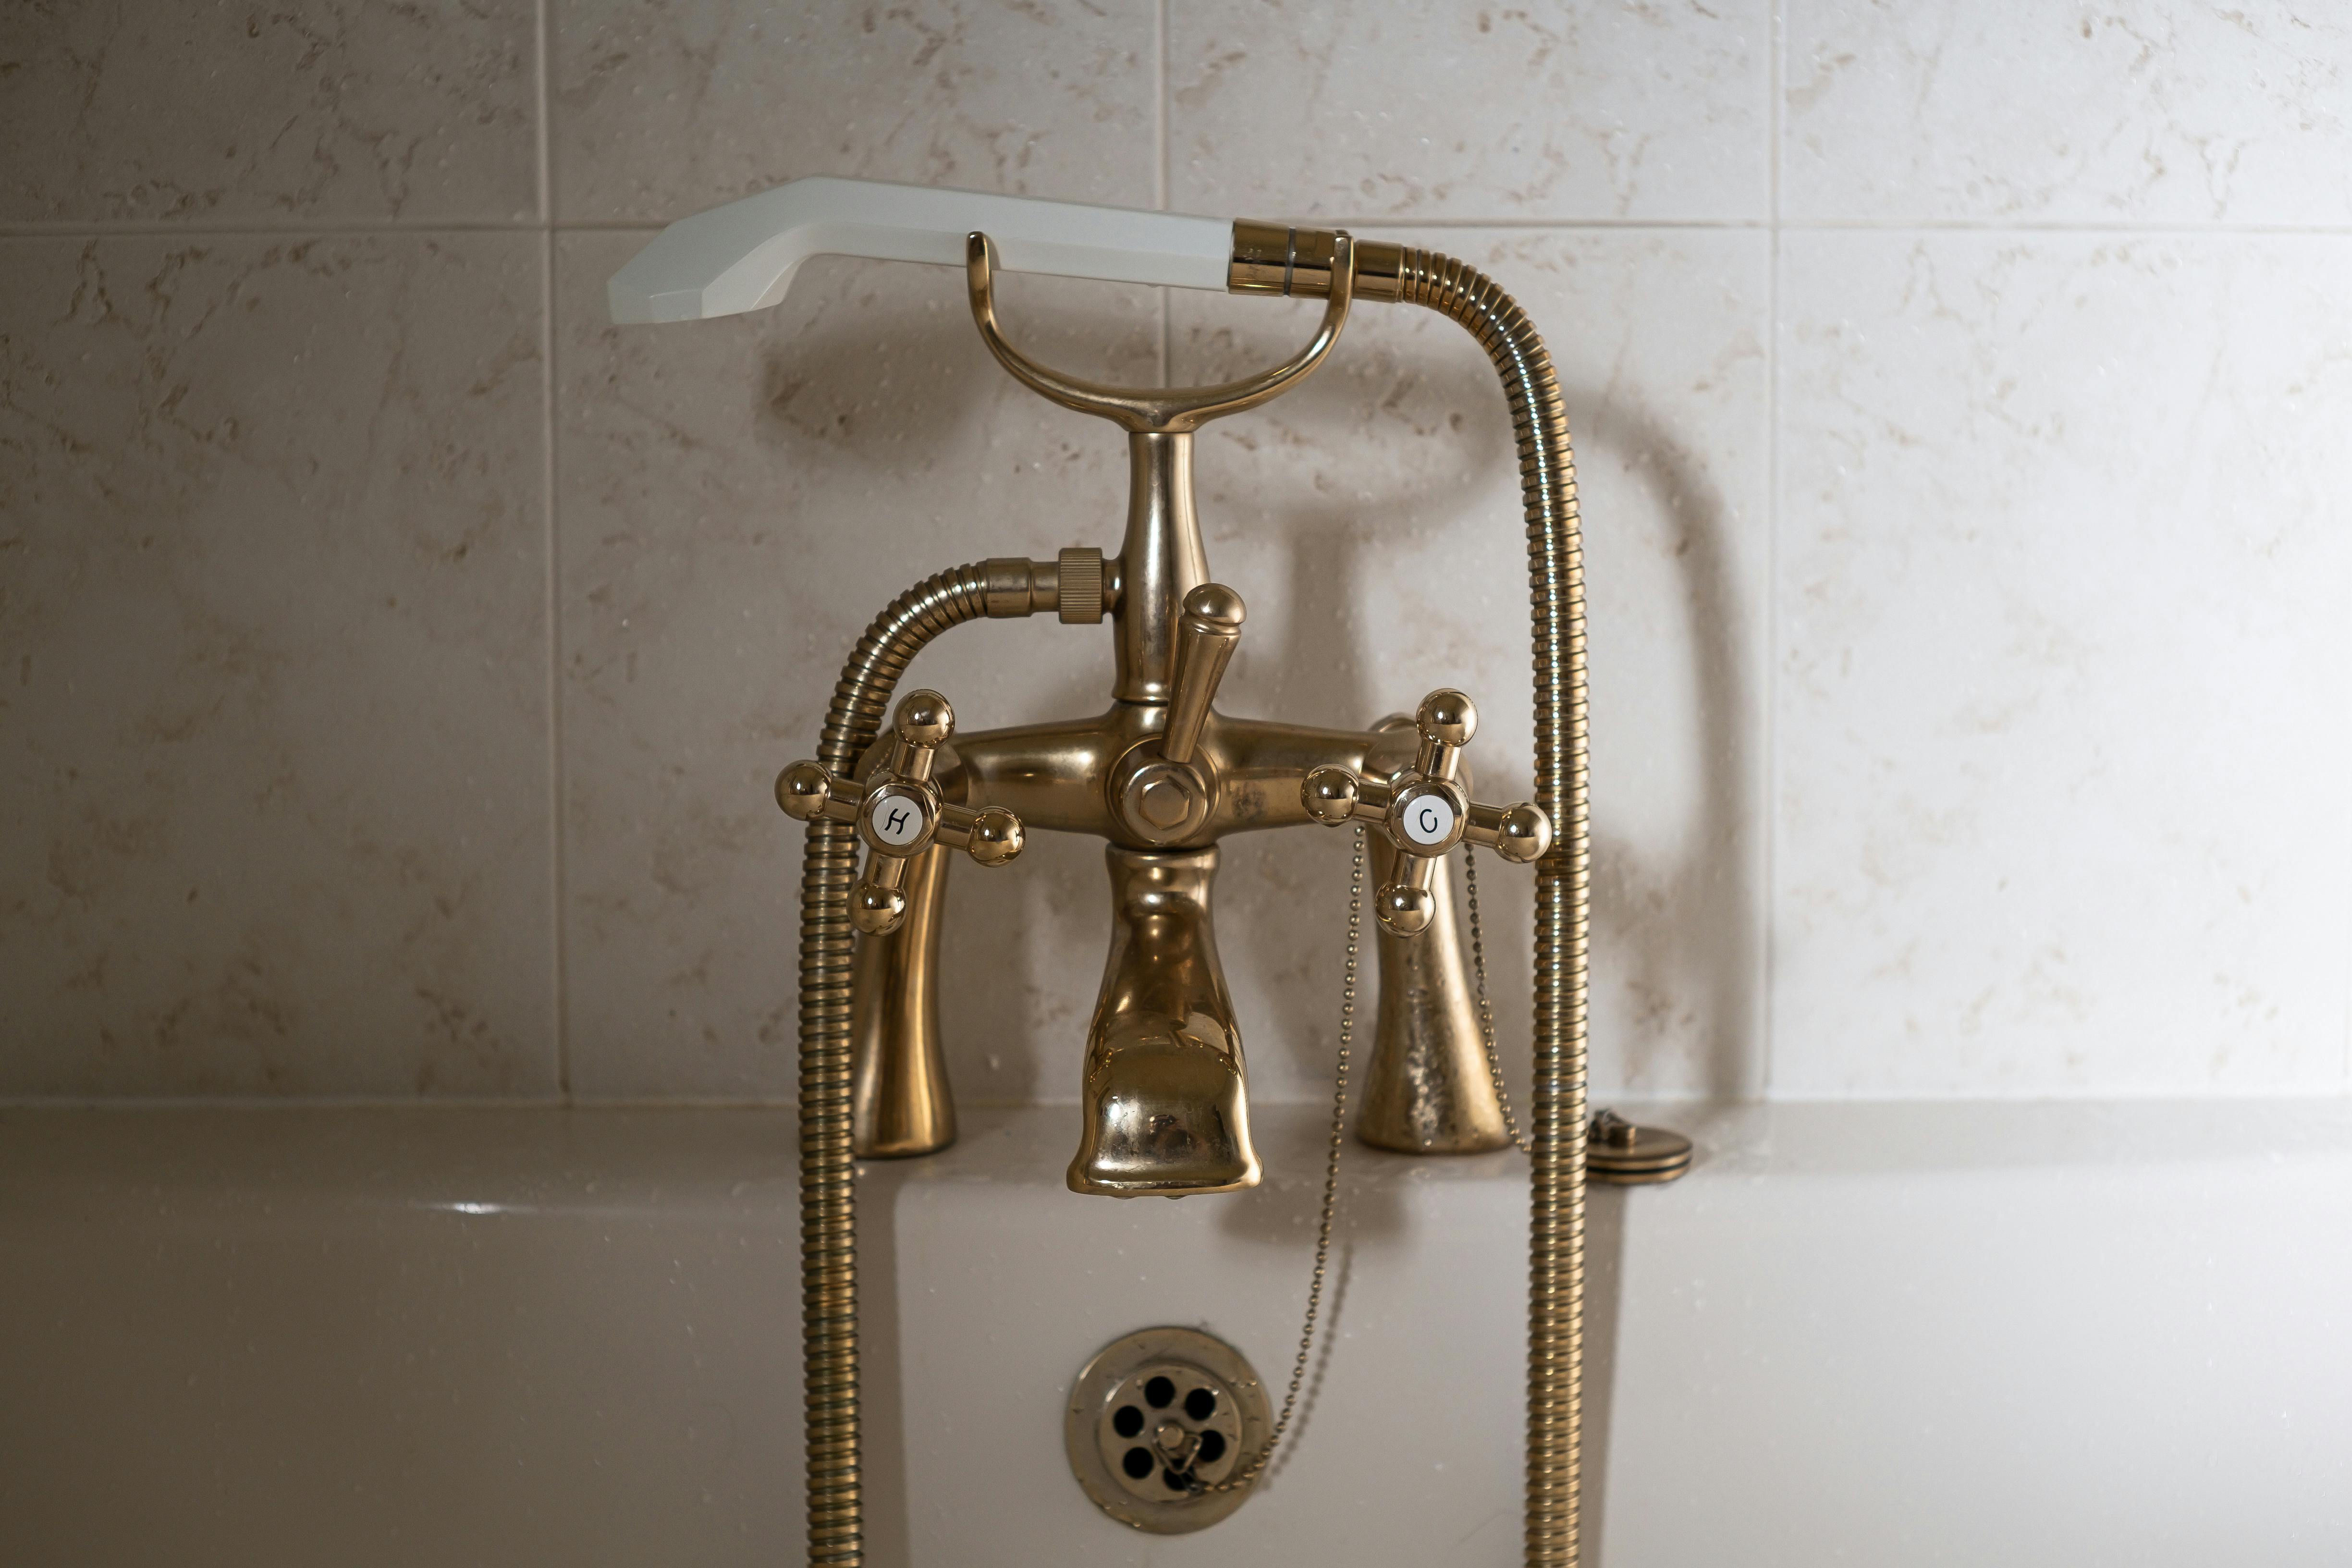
[[741, 257]]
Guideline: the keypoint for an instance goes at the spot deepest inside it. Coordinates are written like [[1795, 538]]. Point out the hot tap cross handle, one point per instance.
[[898, 812], [1425, 812]]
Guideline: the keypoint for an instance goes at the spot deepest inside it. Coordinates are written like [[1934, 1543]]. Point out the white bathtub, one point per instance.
[[2060, 1334]]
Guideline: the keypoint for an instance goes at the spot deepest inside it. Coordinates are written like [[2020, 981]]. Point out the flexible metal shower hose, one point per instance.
[[828, 1179], [1563, 886], [1562, 927]]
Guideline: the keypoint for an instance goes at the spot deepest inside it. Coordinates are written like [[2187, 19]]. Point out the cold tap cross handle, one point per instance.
[[1206, 639], [898, 812], [1425, 812]]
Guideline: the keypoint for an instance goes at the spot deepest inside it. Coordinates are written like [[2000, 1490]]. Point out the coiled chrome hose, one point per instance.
[[1562, 931]]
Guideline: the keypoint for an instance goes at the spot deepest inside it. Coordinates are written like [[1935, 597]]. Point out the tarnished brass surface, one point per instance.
[[1428, 1090], [1423, 812], [1620, 1153], [1165, 1096]]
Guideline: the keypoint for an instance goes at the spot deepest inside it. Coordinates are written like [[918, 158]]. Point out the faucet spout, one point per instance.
[[1166, 1092]]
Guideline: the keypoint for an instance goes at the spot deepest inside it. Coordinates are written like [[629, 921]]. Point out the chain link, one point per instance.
[[1486, 1008], [1248, 1474]]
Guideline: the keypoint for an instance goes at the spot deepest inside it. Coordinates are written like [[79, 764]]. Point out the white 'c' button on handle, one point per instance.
[[1428, 820]]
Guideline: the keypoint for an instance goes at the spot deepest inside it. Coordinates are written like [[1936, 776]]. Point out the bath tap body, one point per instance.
[[1161, 776]]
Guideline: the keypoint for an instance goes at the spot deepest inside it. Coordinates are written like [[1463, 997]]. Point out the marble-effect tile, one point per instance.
[[273, 725], [1363, 109], [2166, 111], [328, 109], [705, 553], [1371, 521], [739, 499], [2062, 696], [660, 111]]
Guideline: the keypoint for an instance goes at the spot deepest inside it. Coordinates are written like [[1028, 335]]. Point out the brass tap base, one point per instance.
[[898, 1100], [1428, 1091]]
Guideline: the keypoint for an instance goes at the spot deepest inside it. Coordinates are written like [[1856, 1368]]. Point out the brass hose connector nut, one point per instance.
[[1077, 586], [1425, 812], [1282, 259], [1079, 574], [898, 813]]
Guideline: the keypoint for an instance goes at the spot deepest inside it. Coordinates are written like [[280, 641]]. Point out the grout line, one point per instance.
[[1159, 172], [2055, 226], [552, 603], [1767, 903], [1159, 169], [311, 227], [545, 169]]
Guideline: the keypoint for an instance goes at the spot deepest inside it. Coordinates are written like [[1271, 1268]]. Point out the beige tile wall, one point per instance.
[[393, 656]]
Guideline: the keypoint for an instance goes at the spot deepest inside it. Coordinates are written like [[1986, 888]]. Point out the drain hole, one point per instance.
[[1176, 1483], [1137, 1463], [1158, 1391], [1213, 1444], [1201, 1403], [1127, 1421]]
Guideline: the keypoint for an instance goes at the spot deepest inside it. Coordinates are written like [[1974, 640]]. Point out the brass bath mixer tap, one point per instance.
[[1161, 776]]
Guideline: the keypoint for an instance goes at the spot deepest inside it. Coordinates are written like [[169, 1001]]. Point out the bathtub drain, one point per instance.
[[1157, 1417]]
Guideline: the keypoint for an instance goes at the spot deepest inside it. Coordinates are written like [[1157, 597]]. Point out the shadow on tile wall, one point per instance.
[[394, 656]]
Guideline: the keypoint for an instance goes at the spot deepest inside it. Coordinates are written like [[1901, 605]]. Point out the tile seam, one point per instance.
[[328, 227], [1765, 1022], [1159, 169], [552, 603]]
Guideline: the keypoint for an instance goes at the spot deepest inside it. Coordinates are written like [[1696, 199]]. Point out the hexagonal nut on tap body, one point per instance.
[[898, 813]]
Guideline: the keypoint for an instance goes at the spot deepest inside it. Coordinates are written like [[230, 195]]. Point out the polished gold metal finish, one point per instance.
[[829, 1371], [1424, 812], [1206, 639], [1166, 1095], [898, 813], [899, 1102], [1163, 777], [1073, 777], [1162, 559], [1272, 258]]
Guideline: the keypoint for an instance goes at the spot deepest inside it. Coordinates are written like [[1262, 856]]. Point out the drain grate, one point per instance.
[[1158, 1415]]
